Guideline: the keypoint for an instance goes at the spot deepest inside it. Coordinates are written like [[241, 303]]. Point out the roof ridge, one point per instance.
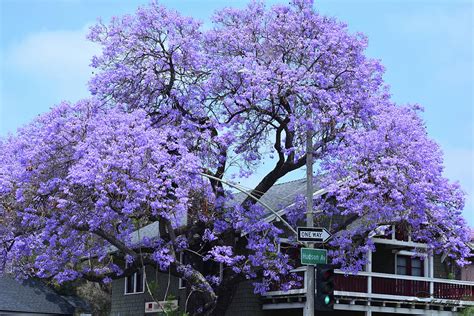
[[248, 190], [290, 181]]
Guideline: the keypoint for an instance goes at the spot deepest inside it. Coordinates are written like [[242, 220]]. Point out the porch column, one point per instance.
[[369, 283]]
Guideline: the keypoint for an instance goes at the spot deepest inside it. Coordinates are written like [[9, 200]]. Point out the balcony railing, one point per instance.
[[394, 287], [400, 287], [350, 283]]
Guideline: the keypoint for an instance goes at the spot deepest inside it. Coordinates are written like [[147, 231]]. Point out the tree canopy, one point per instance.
[[171, 102]]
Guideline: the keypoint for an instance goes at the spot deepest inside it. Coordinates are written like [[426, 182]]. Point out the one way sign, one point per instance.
[[314, 234]]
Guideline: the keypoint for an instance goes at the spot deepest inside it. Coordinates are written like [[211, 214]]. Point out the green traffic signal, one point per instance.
[[324, 299]]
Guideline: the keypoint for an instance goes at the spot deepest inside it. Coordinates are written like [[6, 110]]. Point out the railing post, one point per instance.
[[369, 270], [431, 273], [369, 282]]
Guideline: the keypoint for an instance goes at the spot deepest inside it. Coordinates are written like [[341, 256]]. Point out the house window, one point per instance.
[[135, 283], [416, 267], [402, 265], [407, 265]]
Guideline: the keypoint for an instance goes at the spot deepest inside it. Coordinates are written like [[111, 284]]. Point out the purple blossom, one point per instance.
[[172, 100], [223, 254], [208, 235]]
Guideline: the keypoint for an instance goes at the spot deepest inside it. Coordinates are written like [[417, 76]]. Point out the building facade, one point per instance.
[[398, 280]]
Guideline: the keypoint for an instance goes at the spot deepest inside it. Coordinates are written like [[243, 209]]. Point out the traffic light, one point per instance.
[[324, 300]]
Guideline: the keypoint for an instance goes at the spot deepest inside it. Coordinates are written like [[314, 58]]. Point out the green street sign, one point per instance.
[[311, 256]]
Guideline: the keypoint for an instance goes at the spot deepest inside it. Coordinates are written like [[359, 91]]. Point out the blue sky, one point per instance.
[[426, 46]]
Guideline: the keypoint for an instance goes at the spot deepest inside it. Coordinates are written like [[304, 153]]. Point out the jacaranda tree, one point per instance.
[[173, 102]]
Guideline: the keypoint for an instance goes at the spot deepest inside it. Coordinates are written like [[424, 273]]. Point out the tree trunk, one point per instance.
[[225, 294]]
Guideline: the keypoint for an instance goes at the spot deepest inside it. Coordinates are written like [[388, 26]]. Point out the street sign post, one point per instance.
[[313, 234], [311, 256]]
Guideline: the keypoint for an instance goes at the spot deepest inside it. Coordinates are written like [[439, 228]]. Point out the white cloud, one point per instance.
[[43, 69], [60, 56]]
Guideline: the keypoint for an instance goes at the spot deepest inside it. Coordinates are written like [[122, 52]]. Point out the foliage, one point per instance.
[[467, 311], [97, 295], [172, 101]]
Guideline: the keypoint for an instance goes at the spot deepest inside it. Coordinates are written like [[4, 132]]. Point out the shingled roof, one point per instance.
[[280, 196], [31, 296]]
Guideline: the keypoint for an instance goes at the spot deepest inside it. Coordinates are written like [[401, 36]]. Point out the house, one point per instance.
[[467, 272], [394, 282], [33, 298]]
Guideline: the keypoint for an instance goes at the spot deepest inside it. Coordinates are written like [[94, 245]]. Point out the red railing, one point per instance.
[[452, 291], [396, 285], [350, 283], [400, 287]]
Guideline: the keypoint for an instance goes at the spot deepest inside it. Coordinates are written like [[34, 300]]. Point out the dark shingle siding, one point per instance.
[[134, 304], [245, 302], [126, 305]]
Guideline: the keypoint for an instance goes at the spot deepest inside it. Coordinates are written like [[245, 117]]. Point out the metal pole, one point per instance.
[[309, 306]]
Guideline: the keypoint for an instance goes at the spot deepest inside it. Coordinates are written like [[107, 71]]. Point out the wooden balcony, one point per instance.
[[399, 288]]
